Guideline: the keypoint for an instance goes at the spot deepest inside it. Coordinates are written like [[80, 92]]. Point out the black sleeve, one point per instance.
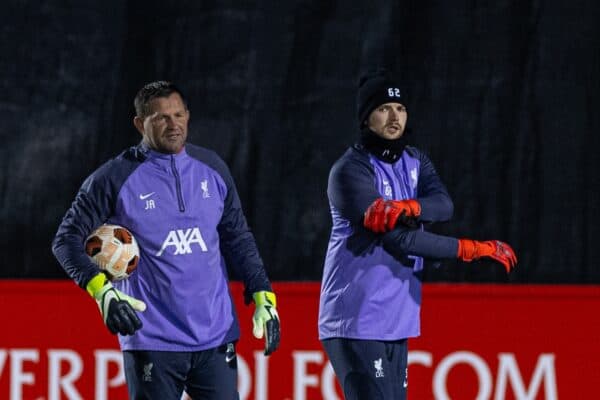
[[436, 204], [238, 245], [91, 207], [405, 241], [351, 187]]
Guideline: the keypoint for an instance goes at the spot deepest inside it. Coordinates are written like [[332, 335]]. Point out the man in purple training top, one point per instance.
[[181, 204], [381, 191]]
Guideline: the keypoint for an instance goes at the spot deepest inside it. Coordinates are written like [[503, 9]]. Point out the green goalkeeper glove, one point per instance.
[[265, 321], [118, 309]]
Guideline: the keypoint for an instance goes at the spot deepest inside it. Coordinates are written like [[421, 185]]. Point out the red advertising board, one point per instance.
[[478, 342]]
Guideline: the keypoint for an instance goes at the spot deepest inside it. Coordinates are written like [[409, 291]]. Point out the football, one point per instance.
[[114, 249]]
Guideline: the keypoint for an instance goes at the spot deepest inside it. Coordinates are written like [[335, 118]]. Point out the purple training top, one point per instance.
[[371, 287], [184, 211]]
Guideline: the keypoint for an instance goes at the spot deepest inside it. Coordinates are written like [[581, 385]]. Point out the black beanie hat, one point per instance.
[[377, 87]]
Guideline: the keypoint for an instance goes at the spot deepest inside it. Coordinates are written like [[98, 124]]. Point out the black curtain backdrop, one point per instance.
[[504, 98]]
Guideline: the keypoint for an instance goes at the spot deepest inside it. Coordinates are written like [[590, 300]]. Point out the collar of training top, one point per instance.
[[384, 149]]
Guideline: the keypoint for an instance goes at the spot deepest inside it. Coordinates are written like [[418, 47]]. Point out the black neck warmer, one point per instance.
[[385, 149]]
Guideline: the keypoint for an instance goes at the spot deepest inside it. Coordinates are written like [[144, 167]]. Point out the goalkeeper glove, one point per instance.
[[469, 250], [117, 308], [383, 215], [265, 321]]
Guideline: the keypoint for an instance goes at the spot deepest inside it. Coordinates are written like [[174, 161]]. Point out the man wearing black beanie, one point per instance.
[[385, 139], [381, 193]]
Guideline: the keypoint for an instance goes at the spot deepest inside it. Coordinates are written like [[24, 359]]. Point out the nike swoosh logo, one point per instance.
[[229, 358], [145, 196]]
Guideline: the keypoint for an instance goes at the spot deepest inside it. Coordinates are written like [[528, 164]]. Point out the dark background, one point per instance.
[[504, 97]]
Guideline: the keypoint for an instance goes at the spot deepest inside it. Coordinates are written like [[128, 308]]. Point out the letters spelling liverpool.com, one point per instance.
[[67, 374]]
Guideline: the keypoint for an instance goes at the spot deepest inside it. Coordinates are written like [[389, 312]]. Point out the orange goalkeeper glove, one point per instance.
[[383, 215], [470, 250]]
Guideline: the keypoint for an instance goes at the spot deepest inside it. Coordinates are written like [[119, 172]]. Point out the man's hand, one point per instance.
[[118, 309], [383, 215], [265, 321], [469, 250]]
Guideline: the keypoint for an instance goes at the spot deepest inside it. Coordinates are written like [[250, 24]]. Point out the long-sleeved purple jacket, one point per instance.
[[371, 288], [185, 213]]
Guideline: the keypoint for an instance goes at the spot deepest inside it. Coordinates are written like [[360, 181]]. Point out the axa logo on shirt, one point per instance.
[[182, 240]]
